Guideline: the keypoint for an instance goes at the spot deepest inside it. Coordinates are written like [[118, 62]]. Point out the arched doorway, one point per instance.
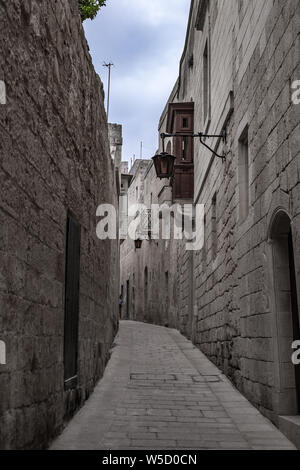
[[286, 314]]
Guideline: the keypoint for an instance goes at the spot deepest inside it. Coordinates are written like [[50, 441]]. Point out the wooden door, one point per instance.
[[72, 282]]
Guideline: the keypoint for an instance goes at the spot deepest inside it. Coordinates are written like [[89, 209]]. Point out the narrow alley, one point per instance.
[[149, 227], [160, 392]]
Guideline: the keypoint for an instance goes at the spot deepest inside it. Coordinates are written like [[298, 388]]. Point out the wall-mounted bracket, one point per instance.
[[201, 136]]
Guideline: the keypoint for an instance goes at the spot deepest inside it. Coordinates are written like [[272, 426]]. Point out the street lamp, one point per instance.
[[138, 243], [165, 163]]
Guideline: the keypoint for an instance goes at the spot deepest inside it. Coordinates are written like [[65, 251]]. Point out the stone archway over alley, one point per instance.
[[160, 392]]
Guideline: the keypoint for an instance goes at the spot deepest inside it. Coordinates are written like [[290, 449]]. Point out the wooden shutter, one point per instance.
[[72, 280]]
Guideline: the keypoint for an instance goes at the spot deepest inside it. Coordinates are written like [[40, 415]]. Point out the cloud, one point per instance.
[[155, 12], [144, 39]]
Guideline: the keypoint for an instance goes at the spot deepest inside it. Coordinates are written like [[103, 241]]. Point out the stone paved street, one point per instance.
[[160, 392]]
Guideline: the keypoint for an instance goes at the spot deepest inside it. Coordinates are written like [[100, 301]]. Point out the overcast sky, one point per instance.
[[144, 39]]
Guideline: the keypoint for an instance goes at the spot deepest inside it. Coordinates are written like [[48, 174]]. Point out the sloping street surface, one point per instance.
[[160, 392]]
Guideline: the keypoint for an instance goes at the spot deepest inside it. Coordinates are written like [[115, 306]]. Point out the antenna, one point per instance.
[[109, 66], [141, 150]]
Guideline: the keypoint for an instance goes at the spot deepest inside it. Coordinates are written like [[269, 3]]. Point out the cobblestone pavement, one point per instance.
[[160, 392]]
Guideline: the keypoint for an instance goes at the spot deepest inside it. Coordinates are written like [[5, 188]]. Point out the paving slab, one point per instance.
[[161, 392]]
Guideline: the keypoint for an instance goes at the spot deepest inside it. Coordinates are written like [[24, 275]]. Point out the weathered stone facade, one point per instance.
[[54, 158], [116, 143], [234, 297]]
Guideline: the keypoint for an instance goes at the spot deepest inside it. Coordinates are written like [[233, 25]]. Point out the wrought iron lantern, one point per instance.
[[164, 165], [138, 243]]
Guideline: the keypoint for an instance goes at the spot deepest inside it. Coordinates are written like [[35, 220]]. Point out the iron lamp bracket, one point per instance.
[[201, 136]]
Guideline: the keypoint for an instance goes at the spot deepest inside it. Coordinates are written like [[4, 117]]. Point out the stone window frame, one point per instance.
[[204, 248], [203, 24], [206, 92], [214, 227], [244, 224], [244, 174]]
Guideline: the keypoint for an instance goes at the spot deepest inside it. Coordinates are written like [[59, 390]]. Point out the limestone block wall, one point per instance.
[[54, 157], [116, 143], [236, 319]]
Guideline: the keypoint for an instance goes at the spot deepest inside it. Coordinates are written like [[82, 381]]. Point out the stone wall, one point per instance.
[[237, 321], [54, 157], [116, 143]]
